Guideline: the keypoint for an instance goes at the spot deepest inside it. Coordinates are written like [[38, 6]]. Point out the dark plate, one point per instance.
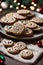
[[33, 38]]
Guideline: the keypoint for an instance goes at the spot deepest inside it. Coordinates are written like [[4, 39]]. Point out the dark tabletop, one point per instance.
[[10, 61]]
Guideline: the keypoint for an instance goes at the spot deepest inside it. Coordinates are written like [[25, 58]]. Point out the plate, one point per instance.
[[33, 38], [36, 52]]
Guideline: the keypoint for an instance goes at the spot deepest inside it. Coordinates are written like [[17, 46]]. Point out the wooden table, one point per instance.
[[10, 61]]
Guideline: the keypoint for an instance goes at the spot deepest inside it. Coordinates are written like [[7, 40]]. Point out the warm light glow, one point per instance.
[[22, 5], [35, 5], [0, 9], [32, 3], [18, 3], [15, 1], [37, 9], [17, 7], [11, 6], [32, 7]]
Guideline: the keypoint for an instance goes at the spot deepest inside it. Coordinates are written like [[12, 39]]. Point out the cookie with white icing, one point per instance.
[[7, 43]]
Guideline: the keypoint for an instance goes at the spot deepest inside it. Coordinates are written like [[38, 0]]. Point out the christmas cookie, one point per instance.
[[17, 16], [38, 28], [8, 28], [20, 45], [24, 22], [7, 20], [12, 50], [18, 28], [30, 14], [26, 53], [28, 32], [23, 12], [37, 20], [7, 43], [31, 25], [9, 14]]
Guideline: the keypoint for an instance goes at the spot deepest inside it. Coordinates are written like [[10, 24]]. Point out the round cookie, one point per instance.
[[31, 14], [28, 32], [7, 43], [7, 20], [37, 20], [23, 12], [13, 50], [18, 28], [17, 16], [31, 25], [38, 28], [9, 14], [8, 28], [26, 54], [20, 45], [24, 22]]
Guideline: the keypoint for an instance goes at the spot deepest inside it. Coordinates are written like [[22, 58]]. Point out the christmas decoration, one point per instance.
[[4, 5], [34, 5], [2, 59], [39, 43], [17, 8], [11, 6], [26, 2], [39, 10], [34, 1]]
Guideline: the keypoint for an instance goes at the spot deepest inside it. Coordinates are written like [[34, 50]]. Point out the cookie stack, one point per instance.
[[17, 48], [22, 23]]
